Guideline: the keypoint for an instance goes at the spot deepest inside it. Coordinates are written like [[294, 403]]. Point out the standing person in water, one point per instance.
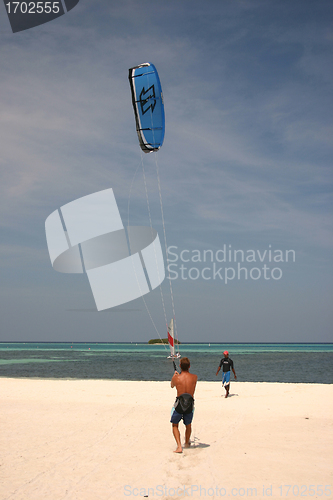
[[185, 383], [226, 363]]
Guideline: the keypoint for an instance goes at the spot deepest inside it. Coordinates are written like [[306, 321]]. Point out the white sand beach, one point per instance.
[[101, 439]]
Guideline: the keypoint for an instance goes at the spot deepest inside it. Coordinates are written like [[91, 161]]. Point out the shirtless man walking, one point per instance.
[[185, 383]]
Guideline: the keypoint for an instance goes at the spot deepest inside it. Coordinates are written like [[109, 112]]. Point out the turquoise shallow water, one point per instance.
[[307, 363]]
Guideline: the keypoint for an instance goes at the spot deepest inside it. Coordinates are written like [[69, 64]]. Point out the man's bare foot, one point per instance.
[[187, 445], [178, 450]]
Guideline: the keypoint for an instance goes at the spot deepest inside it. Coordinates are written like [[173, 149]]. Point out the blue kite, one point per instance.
[[147, 99]]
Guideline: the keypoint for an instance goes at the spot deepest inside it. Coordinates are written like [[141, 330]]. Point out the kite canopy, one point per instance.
[[147, 99]]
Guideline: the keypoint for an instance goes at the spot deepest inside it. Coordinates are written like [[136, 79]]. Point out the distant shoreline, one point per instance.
[[161, 341], [145, 343]]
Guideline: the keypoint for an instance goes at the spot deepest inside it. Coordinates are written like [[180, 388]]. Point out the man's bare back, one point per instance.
[[184, 382]]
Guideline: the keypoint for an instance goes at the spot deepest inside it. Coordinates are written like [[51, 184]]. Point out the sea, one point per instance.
[[308, 363]]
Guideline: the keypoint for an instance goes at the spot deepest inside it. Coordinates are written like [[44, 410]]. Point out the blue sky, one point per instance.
[[246, 162]]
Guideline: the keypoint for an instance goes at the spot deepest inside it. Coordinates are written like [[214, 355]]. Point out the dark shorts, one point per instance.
[[176, 417]]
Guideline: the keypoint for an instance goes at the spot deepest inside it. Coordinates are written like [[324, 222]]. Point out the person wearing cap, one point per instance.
[[226, 363]]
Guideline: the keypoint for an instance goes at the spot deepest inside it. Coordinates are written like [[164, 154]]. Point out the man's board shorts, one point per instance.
[[176, 417], [183, 409], [226, 378]]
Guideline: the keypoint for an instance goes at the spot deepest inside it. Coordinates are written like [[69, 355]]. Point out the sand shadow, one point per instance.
[[197, 445]]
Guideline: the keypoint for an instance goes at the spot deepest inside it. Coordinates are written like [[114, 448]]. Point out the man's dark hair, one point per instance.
[[185, 364]]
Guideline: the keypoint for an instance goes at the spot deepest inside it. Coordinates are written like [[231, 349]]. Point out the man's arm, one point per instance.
[[219, 368], [234, 374], [174, 379]]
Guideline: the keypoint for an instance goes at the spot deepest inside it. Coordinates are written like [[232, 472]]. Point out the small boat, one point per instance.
[[171, 340], [176, 356]]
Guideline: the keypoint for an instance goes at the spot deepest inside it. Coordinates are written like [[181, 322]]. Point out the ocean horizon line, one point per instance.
[[146, 343]]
